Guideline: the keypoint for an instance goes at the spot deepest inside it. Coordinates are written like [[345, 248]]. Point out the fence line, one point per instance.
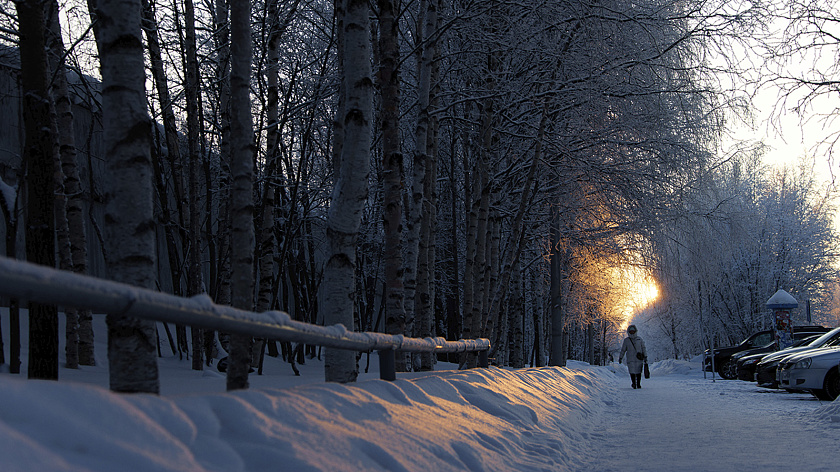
[[27, 281]]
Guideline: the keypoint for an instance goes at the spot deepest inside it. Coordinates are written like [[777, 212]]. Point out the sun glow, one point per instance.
[[640, 291]]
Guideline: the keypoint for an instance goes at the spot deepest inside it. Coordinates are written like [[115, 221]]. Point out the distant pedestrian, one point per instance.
[[634, 346]]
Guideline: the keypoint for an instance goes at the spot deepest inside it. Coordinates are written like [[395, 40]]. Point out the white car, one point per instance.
[[812, 371]]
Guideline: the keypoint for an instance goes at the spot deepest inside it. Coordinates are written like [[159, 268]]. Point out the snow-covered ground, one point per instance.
[[578, 418]]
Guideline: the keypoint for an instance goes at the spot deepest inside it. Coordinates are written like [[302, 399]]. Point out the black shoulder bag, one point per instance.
[[638, 354]]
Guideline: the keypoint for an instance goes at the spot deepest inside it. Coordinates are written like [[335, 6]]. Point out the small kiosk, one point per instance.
[[782, 303]]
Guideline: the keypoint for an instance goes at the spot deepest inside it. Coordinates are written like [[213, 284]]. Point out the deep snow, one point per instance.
[[578, 418]]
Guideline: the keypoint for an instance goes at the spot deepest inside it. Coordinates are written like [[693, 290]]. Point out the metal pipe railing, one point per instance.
[[27, 281]]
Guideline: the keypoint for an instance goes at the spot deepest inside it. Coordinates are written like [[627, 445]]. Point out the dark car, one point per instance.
[[765, 369], [746, 361], [722, 356]]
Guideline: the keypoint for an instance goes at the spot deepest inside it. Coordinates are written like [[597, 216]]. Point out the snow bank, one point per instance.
[[829, 412], [484, 419], [672, 366]]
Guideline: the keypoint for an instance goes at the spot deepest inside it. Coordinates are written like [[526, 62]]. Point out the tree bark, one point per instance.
[[39, 157], [429, 72], [242, 191], [129, 223], [222, 292], [68, 203], [557, 353], [392, 170], [516, 318], [351, 187], [191, 89]]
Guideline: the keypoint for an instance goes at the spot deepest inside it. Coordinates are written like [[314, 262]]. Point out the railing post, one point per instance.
[[387, 365], [483, 359]]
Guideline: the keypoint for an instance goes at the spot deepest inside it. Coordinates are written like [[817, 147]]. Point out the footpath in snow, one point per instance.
[[680, 422]]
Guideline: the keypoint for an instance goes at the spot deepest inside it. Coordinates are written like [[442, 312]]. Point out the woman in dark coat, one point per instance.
[[634, 346]]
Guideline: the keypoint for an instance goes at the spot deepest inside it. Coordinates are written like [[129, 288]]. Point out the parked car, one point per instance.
[[722, 356], [746, 361], [765, 369], [812, 371]]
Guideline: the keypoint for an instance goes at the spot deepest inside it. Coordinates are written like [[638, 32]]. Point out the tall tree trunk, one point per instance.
[[74, 191], [490, 327], [471, 220], [68, 186], [516, 318], [427, 125], [223, 281], [267, 244], [191, 89], [392, 170], [39, 157], [419, 166], [351, 187], [242, 191], [557, 353], [453, 299], [130, 228]]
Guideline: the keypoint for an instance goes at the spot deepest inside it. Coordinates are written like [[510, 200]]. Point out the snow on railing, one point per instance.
[[27, 281]]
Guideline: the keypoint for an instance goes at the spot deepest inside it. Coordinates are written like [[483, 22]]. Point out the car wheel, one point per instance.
[[831, 387], [727, 371]]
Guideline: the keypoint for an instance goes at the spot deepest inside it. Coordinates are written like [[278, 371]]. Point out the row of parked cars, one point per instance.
[[810, 365]]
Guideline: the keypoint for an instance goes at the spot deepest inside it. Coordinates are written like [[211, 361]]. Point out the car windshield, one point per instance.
[[831, 337], [760, 340], [807, 341]]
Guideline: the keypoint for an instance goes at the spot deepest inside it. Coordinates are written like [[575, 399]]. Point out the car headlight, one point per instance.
[[803, 364], [751, 361]]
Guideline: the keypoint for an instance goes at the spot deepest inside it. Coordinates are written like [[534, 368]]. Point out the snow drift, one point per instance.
[[485, 419]]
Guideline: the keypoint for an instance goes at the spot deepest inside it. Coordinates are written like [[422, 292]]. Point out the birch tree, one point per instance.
[[242, 189], [79, 338], [351, 186], [191, 89], [129, 224], [392, 170], [39, 156]]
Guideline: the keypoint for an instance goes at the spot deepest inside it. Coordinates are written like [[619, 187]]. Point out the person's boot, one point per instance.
[[633, 380], [638, 380]]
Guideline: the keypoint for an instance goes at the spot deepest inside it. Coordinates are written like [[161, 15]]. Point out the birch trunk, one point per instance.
[[39, 154], [426, 265], [191, 92], [469, 262], [420, 161], [392, 170], [557, 354], [451, 273], [351, 187], [70, 215], [242, 203], [267, 243], [129, 228], [516, 318], [490, 328], [222, 289]]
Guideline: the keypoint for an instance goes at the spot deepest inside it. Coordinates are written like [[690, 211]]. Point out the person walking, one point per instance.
[[634, 347]]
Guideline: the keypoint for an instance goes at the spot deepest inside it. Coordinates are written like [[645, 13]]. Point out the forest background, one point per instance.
[[520, 171]]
